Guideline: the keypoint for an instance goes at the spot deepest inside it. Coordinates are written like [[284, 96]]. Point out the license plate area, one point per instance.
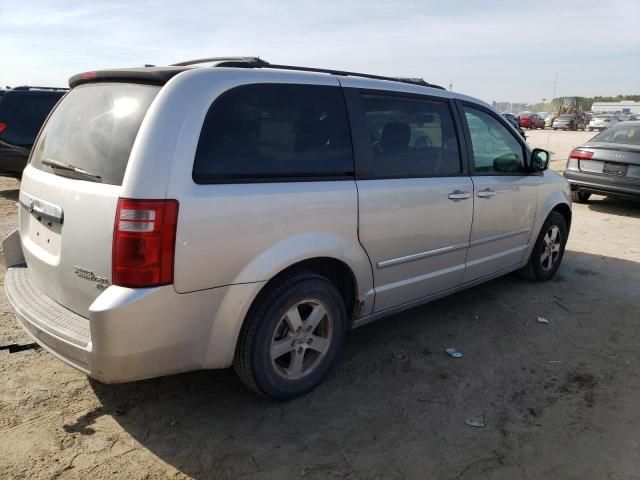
[[42, 236], [611, 168]]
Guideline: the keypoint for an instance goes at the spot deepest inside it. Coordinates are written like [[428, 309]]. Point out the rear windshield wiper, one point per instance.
[[70, 168]]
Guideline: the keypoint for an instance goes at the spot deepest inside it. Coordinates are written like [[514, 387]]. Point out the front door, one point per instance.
[[505, 195], [415, 198]]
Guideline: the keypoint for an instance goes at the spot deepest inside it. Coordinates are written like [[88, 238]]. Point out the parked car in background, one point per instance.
[[511, 118], [530, 120], [542, 115], [23, 110], [602, 121], [181, 218], [627, 117], [569, 121], [608, 164], [548, 120]]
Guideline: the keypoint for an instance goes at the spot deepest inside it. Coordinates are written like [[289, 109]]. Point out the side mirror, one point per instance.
[[539, 160]]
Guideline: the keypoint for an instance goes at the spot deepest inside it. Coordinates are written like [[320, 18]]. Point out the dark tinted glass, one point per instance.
[[94, 128], [495, 148], [272, 131], [411, 137], [620, 133], [24, 113]]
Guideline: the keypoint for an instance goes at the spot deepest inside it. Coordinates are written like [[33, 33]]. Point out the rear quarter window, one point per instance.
[[270, 132], [94, 128]]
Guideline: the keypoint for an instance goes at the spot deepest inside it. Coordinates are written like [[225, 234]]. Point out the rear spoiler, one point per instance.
[[149, 75]]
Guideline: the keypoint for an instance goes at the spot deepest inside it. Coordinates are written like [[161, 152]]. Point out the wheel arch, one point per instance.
[[329, 255], [564, 210]]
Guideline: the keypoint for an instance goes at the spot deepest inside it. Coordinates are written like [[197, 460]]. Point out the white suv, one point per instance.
[[247, 214]]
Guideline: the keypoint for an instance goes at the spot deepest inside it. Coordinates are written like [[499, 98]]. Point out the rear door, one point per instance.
[[66, 218], [505, 195], [414, 193]]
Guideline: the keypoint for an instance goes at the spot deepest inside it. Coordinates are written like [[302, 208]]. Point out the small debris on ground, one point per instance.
[[542, 320], [399, 356], [477, 422], [453, 353]]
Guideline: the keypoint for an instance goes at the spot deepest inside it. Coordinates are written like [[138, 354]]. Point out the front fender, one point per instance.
[[553, 190]]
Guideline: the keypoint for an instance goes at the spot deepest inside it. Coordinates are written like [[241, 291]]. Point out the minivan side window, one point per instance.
[[266, 132], [495, 148], [411, 137]]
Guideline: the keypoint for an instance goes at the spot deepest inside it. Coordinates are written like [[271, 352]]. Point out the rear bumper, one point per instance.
[[132, 334], [603, 184], [60, 331]]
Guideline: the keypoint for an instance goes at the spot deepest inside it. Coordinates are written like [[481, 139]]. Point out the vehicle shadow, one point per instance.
[[615, 206], [396, 394], [11, 194]]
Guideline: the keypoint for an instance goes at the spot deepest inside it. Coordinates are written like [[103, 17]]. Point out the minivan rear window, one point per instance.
[[272, 132], [93, 128]]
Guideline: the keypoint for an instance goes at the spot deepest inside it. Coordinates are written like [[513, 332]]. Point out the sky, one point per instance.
[[490, 49]]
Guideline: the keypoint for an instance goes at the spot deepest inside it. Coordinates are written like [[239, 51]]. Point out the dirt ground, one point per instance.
[[561, 400]]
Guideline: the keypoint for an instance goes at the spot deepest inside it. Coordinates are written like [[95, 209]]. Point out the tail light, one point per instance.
[[144, 239], [3, 127], [580, 154]]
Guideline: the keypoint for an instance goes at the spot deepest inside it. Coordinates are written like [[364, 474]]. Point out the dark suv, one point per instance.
[[23, 110]]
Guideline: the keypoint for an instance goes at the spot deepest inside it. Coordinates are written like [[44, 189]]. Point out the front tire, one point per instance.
[[292, 336], [548, 251]]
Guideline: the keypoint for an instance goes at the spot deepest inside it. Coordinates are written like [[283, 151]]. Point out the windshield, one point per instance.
[[93, 129], [624, 134]]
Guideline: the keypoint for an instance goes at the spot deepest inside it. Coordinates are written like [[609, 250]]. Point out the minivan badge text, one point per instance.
[[100, 282]]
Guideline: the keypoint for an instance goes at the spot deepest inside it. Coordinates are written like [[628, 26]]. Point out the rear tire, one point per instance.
[[580, 197], [548, 250], [292, 336]]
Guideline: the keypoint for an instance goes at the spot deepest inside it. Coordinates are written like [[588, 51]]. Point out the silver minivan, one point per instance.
[[249, 214]]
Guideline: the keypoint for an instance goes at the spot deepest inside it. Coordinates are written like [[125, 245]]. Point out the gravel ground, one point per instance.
[[560, 400]]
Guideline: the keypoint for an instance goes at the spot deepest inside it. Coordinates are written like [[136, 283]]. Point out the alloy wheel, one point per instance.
[[550, 248], [301, 339]]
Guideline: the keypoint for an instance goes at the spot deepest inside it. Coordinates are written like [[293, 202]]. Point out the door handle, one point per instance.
[[459, 195], [487, 193]]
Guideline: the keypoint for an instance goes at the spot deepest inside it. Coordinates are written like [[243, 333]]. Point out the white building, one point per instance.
[[625, 106]]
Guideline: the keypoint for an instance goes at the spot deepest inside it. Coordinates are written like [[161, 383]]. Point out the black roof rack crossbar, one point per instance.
[[249, 61]]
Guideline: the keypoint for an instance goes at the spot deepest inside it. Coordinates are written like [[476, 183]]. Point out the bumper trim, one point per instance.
[[602, 184]]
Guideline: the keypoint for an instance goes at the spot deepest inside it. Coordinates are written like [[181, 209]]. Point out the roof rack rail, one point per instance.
[[224, 62], [28, 87], [343, 73], [257, 62]]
